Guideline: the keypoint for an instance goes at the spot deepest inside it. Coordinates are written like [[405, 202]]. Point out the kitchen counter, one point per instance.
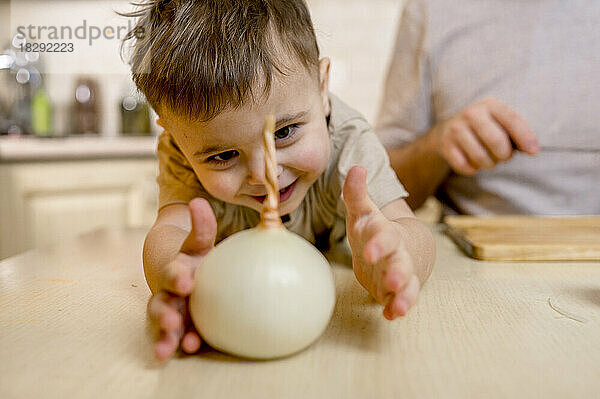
[[27, 149], [73, 324]]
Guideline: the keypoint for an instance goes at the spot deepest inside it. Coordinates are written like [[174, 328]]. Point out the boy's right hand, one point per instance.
[[482, 135], [168, 308]]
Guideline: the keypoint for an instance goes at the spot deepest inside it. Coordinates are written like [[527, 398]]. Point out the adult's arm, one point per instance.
[[406, 111], [423, 151]]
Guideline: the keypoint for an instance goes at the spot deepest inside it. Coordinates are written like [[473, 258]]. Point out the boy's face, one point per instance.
[[227, 153]]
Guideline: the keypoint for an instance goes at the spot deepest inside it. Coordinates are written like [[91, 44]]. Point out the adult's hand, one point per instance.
[[482, 135]]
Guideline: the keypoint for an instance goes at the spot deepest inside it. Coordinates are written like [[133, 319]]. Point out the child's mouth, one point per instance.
[[284, 194]]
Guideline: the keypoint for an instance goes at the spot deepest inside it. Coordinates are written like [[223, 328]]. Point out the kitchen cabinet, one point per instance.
[[42, 203]]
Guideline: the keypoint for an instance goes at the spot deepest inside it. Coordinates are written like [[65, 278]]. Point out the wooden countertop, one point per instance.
[[73, 324]]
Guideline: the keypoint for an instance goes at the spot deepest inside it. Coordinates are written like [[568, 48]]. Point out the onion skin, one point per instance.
[[262, 293]]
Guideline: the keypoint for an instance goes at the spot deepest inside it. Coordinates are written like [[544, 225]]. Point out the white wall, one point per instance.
[[4, 22], [356, 34]]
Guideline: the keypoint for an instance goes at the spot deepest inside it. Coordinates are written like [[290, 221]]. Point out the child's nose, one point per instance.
[[255, 180], [256, 170], [256, 175]]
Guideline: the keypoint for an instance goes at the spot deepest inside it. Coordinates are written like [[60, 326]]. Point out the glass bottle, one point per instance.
[[85, 117], [135, 116], [41, 113]]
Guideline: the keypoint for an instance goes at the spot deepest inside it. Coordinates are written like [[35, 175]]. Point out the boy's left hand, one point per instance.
[[380, 260]]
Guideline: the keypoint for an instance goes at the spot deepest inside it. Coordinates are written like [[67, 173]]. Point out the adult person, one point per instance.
[[494, 105]]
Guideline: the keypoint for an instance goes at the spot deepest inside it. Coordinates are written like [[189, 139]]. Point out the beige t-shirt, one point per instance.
[[320, 217]]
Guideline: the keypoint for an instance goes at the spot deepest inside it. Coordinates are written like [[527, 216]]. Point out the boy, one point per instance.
[[212, 70]]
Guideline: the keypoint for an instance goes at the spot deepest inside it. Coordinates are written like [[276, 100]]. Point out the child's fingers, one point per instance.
[[178, 275], [165, 311], [380, 241], [204, 228], [191, 341], [355, 192], [396, 272], [166, 346], [399, 269], [400, 303]]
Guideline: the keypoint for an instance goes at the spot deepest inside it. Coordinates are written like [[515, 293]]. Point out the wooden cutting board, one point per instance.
[[526, 238]]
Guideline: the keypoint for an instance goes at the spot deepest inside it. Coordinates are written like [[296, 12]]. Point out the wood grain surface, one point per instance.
[[522, 238], [73, 325]]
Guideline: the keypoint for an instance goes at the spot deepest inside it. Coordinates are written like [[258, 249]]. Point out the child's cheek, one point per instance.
[[313, 156], [219, 185]]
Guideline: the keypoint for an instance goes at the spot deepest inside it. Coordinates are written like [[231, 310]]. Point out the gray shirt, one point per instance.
[[541, 57]]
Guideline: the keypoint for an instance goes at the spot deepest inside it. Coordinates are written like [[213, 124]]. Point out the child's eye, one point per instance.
[[224, 156], [285, 132]]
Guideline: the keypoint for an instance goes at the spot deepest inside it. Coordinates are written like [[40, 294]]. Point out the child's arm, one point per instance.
[[177, 241], [392, 251]]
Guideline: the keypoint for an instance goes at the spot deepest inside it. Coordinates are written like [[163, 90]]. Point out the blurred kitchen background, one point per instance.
[[77, 142]]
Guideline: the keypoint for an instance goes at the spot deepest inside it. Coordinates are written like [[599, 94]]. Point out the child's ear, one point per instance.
[[324, 83]]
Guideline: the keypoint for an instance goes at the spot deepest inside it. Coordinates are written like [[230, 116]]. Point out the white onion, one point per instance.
[[264, 292]]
